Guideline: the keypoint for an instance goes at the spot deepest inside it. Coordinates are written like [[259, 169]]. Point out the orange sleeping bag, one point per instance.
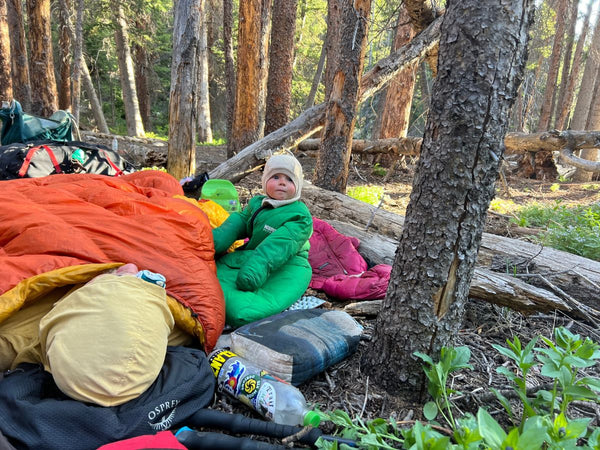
[[65, 229]]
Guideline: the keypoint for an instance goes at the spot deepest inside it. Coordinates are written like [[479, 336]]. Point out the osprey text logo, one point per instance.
[[162, 416], [269, 229]]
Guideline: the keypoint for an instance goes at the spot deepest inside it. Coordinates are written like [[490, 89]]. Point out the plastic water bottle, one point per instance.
[[272, 398]]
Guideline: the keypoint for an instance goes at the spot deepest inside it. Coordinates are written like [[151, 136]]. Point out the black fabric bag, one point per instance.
[[42, 158], [35, 414]]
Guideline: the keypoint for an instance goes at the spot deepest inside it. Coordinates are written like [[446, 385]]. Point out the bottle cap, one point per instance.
[[312, 418]]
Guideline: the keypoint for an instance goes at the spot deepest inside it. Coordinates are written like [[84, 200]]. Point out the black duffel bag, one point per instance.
[[35, 414], [42, 158]]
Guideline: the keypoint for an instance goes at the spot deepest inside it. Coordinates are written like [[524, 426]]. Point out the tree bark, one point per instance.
[[314, 87], [584, 99], [311, 120], [229, 72], [18, 49], [482, 57], [548, 141], [6, 91], [133, 118], [393, 118], [546, 111], [252, 66], [566, 65], [567, 102], [281, 61], [64, 52], [78, 61], [44, 97], [142, 74], [77, 37], [422, 13], [334, 154], [182, 102], [204, 124]]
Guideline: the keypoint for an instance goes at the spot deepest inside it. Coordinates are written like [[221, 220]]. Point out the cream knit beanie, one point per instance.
[[287, 165]]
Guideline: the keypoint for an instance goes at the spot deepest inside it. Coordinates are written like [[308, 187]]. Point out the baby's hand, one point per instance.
[[250, 280]]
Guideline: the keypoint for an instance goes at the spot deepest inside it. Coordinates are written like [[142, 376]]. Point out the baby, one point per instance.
[[271, 271]]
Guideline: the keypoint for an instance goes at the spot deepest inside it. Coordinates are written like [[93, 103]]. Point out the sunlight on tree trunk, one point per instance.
[[6, 91], [18, 50], [44, 96], [204, 124], [252, 64], [181, 157], [135, 127], [336, 142]]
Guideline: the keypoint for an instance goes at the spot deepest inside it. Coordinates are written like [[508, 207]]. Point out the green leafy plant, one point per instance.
[[367, 194], [574, 229], [378, 170], [451, 360], [543, 423], [523, 357]]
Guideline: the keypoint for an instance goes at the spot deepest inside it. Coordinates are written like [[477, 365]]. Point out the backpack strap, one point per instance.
[[118, 171], [32, 151]]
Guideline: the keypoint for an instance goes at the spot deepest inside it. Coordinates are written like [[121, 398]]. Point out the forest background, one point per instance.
[[143, 31]]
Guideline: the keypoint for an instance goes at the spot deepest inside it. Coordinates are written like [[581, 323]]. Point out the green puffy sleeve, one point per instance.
[[276, 249], [231, 230]]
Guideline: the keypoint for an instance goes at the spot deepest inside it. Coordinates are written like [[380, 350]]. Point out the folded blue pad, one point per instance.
[[298, 344]]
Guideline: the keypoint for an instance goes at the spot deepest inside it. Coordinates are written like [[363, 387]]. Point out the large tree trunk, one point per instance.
[[584, 99], [182, 102], [18, 50], [135, 127], [311, 120], [6, 91], [454, 183], [44, 97], [64, 52], [204, 124], [252, 66], [392, 120], [229, 72], [334, 155], [281, 61], [567, 103]]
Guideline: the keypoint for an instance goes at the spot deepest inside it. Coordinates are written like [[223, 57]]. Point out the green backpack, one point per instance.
[[19, 127]]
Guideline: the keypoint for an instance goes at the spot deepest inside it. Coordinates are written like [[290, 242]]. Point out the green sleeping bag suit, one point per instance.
[[271, 271]]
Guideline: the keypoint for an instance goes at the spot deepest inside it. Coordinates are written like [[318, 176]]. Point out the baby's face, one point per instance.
[[280, 187]]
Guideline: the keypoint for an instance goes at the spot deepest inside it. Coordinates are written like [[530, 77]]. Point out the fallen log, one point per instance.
[[493, 287], [548, 141], [577, 276]]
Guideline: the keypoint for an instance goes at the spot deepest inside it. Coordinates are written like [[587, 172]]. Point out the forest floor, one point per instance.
[[344, 386]]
